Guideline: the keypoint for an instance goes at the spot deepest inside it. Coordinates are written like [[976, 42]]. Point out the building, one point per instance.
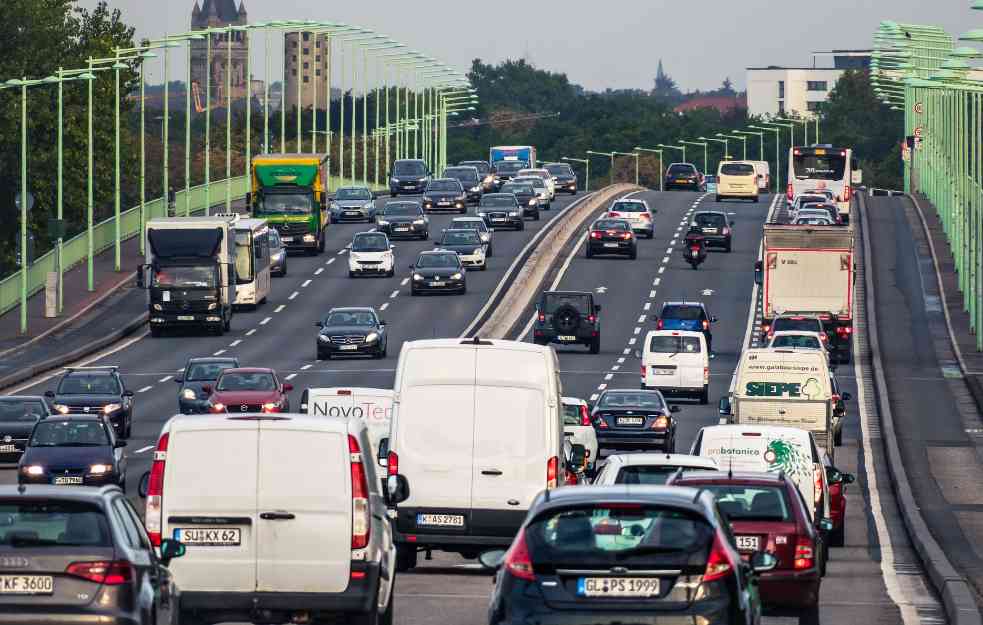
[[212, 14], [722, 103], [312, 63], [775, 90]]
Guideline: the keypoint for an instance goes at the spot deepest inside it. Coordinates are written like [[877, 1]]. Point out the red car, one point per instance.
[[767, 513], [250, 389], [838, 481]]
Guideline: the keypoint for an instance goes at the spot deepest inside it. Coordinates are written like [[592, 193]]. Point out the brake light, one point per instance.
[[595, 234], [155, 490], [626, 236], [823, 337], [788, 192], [646, 217], [804, 554], [844, 330], [661, 423], [659, 325], [706, 375], [847, 192], [517, 561], [614, 214], [643, 371], [706, 324], [571, 479], [817, 475], [719, 564], [584, 417], [111, 573], [591, 318], [835, 397], [361, 523], [765, 328], [542, 317], [392, 463], [552, 472]]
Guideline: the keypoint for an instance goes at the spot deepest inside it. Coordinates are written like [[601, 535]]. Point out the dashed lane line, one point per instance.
[[306, 367], [265, 321], [651, 293], [656, 282], [330, 260], [665, 259], [305, 284], [393, 295], [662, 269], [341, 252], [251, 332], [384, 306], [608, 377], [293, 295], [319, 271], [291, 376], [144, 449], [641, 318], [219, 352], [648, 305], [235, 343], [404, 282], [165, 378], [279, 308], [144, 389]]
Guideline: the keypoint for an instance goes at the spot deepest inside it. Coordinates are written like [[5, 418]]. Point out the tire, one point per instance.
[[590, 252], [489, 254], [705, 396], [321, 243], [156, 332], [809, 615], [837, 441], [718, 198], [633, 255], [426, 235], [227, 324], [522, 226], [185, 617], [756, 199], [595, 345], [484, 266], [283, 273], [536, 216], [405, 558], [351, 274], [391, 273], [414, 293], [837, 538], [844, 358], [727, 248]]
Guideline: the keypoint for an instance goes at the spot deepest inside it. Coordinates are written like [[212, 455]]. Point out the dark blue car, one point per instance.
[[691, 316]]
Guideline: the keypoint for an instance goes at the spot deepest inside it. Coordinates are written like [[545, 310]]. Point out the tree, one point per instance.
[[727, 87]]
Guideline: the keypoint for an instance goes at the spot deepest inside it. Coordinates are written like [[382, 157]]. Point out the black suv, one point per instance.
[[715, 228], [85, 390], [683, 176], [568, 318], [73, 555], [408, 176]]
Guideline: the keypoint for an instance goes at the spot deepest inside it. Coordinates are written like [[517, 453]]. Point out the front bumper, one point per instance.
[[407, 187], [507, 221], [192, 406], [351, 214], [566, 187], [395, 230], [360, 349], [87, 479], [448, 286], [446, 205], [378, 268], [299, 241], [159, 319]]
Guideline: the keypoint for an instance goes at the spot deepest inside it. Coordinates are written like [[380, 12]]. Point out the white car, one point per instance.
[[371, 253], [798, 339], [635, 212], [653, 469], [539, 186], [799, 201], [545, 175], [578, 428]]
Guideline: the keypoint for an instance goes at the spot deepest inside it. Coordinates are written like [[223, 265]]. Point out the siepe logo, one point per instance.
[[368, 410], [783, 389]]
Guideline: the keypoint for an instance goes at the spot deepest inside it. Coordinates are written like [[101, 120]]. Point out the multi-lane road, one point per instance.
[[874, 579]]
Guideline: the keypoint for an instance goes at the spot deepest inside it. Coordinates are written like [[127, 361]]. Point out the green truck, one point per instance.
[[290, 191]]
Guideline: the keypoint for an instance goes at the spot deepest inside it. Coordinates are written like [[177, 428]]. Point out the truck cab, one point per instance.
[[289, 191]]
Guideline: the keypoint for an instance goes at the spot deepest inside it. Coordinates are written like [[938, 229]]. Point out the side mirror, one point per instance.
[[762, 562], [578, 458], [723, 407], [318, 324], [382, 322], [713, 320], [127, 393], [206, 388], [288, 387], [597, 307], [846, 396], [674, 409], [391, 246], [826, 525], [144, 486], [492, 560], [140, 279], [759, 273], [398, 489], [118, 444], [179, 380], [412, 267], [49, 394], [170, 549], [383, 455], [848, 478]]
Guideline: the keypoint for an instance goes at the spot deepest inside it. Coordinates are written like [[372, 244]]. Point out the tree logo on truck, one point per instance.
[[782, 455]]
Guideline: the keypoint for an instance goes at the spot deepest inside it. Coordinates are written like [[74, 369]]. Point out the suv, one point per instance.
[[568, 318], [84, 390], [683, 176], [88, 557], [408, 176], [470, 179], [687, 316], [715, 227]]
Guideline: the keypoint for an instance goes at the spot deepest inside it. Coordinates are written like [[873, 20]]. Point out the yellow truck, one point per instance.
[[290, 191]]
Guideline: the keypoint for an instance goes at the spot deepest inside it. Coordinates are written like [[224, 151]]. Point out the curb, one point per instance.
[[957, 597]]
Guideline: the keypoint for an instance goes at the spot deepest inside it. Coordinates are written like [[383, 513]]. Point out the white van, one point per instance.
[[477, 433], [281, 514], [676, 362], [771, 449], [763, 171], [372, 405]]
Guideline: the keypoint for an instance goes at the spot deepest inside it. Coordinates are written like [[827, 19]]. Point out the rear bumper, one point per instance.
[[631, 440], [623, 247], [86, 617], [711, 612], [450, 542], [789, 589], [732, 192], [672, 390], [550, 336]]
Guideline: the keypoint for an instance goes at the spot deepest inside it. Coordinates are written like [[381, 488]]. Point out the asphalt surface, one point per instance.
[[447, 589]]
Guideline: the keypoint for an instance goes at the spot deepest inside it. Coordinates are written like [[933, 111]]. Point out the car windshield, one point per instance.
[[444, 185], [461, 174], [611, 224], [685, 313], [51, 433], [790, 323], [560, 170], [469, 224], [520, 189], [813, 221], [436, 261], [410, 168], [370, 243], [239, 381], [796, 340], [572, 414], [710, 220], [403, 209], [275, 241], [351, 318], [737, 169], [357, 193], [532, 181], [207, 371], [649, 474], [555, 301], [500, 200], [284, 203], [751, 503], [88, 384], [628, 207], [185, 277], [681, 170], [509, 167], [466, 237], [52, 523], [599, 534], [644, 400], [667, 344], [483, 167], [26, 410]]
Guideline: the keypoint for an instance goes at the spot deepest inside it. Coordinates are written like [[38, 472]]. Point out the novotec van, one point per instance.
[[372, 405], [676, 362], [477, 433], [763, 171], [281, 514]]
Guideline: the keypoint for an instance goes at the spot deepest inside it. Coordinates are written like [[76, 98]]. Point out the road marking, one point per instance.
[[662, 268], [632, 341], [393, 294], [319, 271], [293, 295], [291, 376], [707, 292], [165, 378], [626, 352], [722, 421], [556, 281], [265, 321], [665, 259], [404, 282], [219, 352], [621, 361], [608, 376], [647, 306], [669, 250], [594, 396], [235, 342], [306, 367], [601, 387], [344, 251], [251, 332], [144, 389], [144, 449], [651, 293], [330, 260], [656, 282], [637, 330], [384, 306], [279, 308], [641, 319], [601, 290], [305, 284]]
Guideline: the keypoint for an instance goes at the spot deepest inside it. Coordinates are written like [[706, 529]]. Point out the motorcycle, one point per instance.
[[694, 255]]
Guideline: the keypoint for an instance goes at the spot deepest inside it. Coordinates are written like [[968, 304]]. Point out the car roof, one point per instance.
[[353, 188], [77, 416], [91, 372], [777, 429], [710, 212], [374, 233], [409, 160], [249, 370], [446, 180], [211, 359], [468, 219], [662, 460], [299, 421], [797, 316], [575, 401], [693, 333], [352, 309], [437, 251], [492, 195], [688, 164], [795, 333], [48, 492], [735, 477], [468, 163], [681, 303], [692, 499]]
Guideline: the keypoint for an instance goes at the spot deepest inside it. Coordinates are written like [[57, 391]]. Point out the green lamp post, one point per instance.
[[610, 155], [699, 143], [662, 180], [778, 151], [632, 155], [586, 163], [681, 148]]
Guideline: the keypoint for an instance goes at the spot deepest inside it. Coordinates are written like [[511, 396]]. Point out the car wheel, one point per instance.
[[838, 437], [536, 216], [844, 358], [633, 254], [756, 199], [719, 198], [351, 274], [595, 345], [405, 558], [391, 273], [489, 254], [484, 266], [522, 226], [727, 247], [128, 423], [414, 292], [705, 396], [540, 341], [318, 356], [464, 289], [283, 272], [426, 235], [590, 252], [837, 537], [155, 332]]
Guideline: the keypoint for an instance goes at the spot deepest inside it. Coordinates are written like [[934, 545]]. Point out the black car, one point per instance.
[[488, 181], [438, 271], [351, 332], [568, 318], [408, 176], [403, 220], [73, 450], [715, 228], [470, 179], [683, 176], [634, 419], [612, 236], [81, 555], [502, 210], [18, 415], [199, 372], [96, 390], [467, 244], [506, 170], [445, 194], [625, 554], [563, 176], [525, 194]]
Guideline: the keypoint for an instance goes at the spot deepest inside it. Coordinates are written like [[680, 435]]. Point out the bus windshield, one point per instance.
[[819, 167]]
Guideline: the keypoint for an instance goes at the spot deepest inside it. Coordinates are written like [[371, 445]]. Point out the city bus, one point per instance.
[[252, 262], [822, 168]]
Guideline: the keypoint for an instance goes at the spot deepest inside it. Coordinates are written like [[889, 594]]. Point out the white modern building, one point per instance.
[[775, 90]]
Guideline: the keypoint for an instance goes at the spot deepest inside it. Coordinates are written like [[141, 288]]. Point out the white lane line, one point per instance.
[[219, 352], [621, 361], [144, 449], [647, 306], [594, 396], [632, 341], [165, 378], [668, 250], [279, 308], [330, 260], [404, 282], [393, 294], [651, 293], [608, 377], [319, 271], [637, 330], [340, 252], [180, 370], [384, 306], [601, 387], [665, 259], [662, 268], [293, 295], [656, 281], [291, 376], [251, 332], [626, 352], [235, 343], [306, 367], [144, 389], [305, 284], [641, 319], [615, 367], [679, 229], [722, 421], [265, 321]]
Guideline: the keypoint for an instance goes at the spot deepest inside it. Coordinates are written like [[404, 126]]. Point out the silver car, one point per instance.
[[541, 188], [475, 223], [635, 212], [352, 204], [278, 255]]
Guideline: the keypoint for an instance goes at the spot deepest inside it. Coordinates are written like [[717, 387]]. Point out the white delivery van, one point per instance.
[[771, 449], [372, 405], [477, 433], [763, 171], [281, 514], [676, 362]]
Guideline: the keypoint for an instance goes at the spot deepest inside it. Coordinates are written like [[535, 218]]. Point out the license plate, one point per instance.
[[64, 480], [631, 420], [618, 586], [401, 229], [8, 448], [352, 213], [208, 536], [348, 348], [662, 372], [185, 317], [438, 283], [709, 230], [681, 180], [287, 239], [442, 203], [441, 520], [26, 584], [498, 220], [565, 337], [408, 185], [748, 543], [610, 245]]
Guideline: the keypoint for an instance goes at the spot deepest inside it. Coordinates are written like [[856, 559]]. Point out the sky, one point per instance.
[[615, 44]]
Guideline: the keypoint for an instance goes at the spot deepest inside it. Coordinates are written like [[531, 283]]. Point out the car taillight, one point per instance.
[[269, 407], [719, 564], [361, 525], [765, 328], [591, 318], [660, 423], [817, 478], [643, 371], [111, 573], [847, 192], [517, 562], [706, 375], [595, 234], [804, 553], [659, 325], [542, 317], [155, 490], [835, 398], [844, 330], [646, 217], [706, 324], [788, 192], [584, 417], [823, 337], [392, 463], [552, 472], [614, 214]]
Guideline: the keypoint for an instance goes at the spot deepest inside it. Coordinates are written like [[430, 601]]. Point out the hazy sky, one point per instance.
[[598, 44]]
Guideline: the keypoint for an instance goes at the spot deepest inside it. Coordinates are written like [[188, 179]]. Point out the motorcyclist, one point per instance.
[[695, 238]]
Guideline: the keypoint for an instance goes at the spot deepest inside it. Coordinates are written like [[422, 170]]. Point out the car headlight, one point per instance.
[[427, 199], [417, 277], [394, 180], [422, 179], [308, 238], [382, 222], [100, 469], [158, 307], [532, 202], [368, 206], [212, 306], [515, 213], [418, 222], [371, 337], [475, 189], [33, 469], [479, 252], [108, 408], [271, 406], [62, 408], [323, 338], [335, 206], [485, 237], [457, 276], [189, 394]]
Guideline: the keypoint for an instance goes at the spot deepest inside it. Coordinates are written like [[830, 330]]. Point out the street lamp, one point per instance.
[[661, 164], [742, 139], [610, 155], [761, 137], [635, 156], [726, 154], [778, 151], [704, 144], [674, 147], [586, 163]]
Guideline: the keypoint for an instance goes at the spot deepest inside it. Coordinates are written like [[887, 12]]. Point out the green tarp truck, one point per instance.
[[290, 192]]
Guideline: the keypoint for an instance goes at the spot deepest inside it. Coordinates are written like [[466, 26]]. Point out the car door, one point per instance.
[[304, 508]]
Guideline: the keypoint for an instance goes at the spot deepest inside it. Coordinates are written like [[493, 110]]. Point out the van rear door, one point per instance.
[[304, 520]]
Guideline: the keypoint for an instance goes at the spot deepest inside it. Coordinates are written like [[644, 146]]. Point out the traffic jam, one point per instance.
[[268, 501]]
